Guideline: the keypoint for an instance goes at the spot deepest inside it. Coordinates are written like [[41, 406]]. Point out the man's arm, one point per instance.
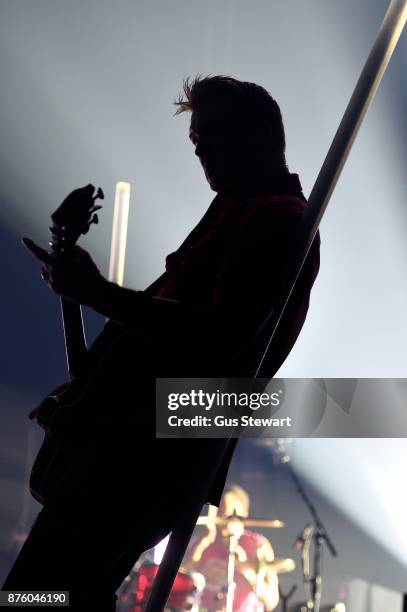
[[193, 327], [77, 278], [248, 283]]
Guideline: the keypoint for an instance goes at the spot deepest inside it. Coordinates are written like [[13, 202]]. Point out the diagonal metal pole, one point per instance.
[[363, 94], [366, 87]]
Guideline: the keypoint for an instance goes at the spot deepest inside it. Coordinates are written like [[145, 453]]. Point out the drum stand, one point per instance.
[[231, 584], [312, 532], [285, 597], [317, 532]]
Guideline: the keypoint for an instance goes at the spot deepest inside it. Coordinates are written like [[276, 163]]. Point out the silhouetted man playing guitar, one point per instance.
[[120, 489]]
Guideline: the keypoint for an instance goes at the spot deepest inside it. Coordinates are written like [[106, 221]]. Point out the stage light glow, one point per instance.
[[159, 550], [373, 467]]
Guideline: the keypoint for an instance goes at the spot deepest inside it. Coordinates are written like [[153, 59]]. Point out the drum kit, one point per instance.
[[184, 594], [189, 585]]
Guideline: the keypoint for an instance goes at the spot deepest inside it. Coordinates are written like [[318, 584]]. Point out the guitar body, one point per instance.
[[48, 470], [79, 419]]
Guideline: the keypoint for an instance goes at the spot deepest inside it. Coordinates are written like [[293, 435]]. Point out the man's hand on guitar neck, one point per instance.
[[74, 276], [77, 278]]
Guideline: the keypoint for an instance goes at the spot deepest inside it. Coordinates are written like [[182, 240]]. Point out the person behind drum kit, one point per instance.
[[256, 584]]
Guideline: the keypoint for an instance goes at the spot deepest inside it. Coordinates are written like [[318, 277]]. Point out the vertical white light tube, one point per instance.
[[119, 232]]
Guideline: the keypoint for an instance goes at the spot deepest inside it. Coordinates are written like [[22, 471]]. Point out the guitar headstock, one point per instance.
[[74, 217]]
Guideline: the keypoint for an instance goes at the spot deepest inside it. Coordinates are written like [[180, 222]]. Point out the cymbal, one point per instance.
[[247, 522]]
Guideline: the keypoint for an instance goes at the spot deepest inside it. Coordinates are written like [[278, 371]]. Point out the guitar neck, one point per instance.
[[75, 341], [72, 219]]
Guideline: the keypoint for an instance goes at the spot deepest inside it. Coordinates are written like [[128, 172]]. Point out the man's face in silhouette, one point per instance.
[[219, 146]]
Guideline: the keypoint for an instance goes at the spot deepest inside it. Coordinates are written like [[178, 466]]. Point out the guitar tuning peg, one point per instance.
[[95, 208], [99, 194], [95, 219]]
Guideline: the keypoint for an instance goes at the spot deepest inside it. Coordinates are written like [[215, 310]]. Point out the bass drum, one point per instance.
[[185, 593]]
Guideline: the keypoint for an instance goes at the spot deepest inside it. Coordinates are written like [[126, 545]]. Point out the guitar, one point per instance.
[[71, 219]]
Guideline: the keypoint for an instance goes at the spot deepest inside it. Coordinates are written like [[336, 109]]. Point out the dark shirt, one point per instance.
[[220, 287], [231, 270]]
